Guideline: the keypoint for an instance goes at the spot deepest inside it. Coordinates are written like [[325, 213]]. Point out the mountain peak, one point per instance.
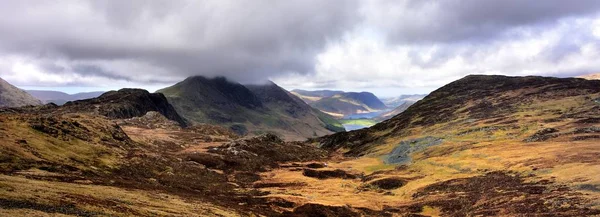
[[246, 108]]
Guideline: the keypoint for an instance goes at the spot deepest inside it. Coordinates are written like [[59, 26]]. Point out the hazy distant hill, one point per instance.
[[395, 111], [60, 98], [394, 102], [11, 96], [248, 109], [591, 76], [340, 104]]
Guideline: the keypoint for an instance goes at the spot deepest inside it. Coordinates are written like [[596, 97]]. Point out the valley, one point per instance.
[[356, 110], [482, 145]]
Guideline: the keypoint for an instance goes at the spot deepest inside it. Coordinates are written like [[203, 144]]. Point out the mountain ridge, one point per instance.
[[11, 96], [59, 98], [246, 108], [339, 103], [476, 91]]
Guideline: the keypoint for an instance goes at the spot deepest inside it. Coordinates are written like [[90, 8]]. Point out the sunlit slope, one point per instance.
[[483, 145]]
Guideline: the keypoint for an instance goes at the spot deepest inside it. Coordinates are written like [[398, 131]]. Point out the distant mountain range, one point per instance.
[[394, 102], [316, 95], [396, 111], [11, 96], [251, 109], [59, 98], [339, 103]]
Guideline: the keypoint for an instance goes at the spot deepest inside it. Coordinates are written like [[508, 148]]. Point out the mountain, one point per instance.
[[591, 76], [480, 146], [340, 104], [313, 96], [11, 96], [124, 104], [248, 109], [59, 98], [477, 101], [395, 111], [394, 102]]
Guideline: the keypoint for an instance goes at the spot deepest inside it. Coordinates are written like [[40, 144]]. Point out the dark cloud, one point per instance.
[[244, 40]]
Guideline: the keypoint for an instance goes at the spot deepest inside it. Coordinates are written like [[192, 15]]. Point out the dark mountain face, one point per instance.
[[60, 98], [11, 96], [246, 109], [272, 94], [468, 100], [217, 91], [126, 103]]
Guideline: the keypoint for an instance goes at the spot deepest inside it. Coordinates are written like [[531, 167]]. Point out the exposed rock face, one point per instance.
[[126, 103], [11, 96]]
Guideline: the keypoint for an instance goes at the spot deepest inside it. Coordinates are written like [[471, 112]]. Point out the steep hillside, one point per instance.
[[497, 99], [11, 96], [60, 98], [349, 103], [248, 109], [482, 145]]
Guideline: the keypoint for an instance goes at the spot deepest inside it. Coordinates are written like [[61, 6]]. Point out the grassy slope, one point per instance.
[[473, 147]]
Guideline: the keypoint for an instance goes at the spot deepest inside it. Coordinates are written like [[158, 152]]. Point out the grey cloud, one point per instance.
[[93, 70], [244, 40], [164, 41], [452, 21]]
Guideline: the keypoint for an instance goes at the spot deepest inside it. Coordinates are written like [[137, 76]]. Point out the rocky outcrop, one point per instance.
[[126, 103]]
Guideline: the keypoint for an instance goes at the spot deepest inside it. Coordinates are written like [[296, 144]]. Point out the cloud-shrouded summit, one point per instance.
[[367, 45]]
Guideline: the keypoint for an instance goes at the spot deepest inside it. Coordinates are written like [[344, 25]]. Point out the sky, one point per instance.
[[389, 47]]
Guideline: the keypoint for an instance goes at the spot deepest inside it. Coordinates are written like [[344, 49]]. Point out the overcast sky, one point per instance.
[[387, 47]]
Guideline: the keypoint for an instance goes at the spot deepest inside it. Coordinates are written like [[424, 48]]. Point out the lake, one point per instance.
[[350, 127]]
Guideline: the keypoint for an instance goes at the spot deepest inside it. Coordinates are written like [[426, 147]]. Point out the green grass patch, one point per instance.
[[361, 122]]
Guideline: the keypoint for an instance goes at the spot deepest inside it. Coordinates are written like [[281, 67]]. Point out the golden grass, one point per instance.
[[134, 202]]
